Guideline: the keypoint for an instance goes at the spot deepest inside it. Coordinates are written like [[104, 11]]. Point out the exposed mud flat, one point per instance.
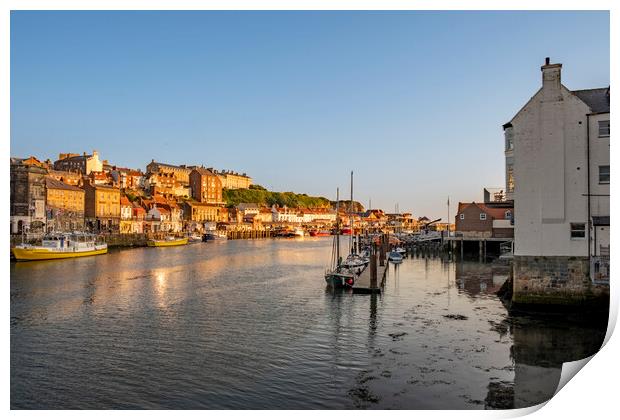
[[250, 324]]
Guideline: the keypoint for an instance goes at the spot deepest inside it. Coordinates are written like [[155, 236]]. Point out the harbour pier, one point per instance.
[[372, 279]]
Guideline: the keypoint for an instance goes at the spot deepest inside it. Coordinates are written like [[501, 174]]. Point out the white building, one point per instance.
[[285, 214], [557, 172], [248, 209]]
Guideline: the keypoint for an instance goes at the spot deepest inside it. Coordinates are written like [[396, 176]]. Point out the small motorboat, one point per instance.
[[355, 261], [214, 236], [169, 241], [395, 257], [195, 238], [315, 232]]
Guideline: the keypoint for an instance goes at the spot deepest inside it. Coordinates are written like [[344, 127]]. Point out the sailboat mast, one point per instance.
[[337, 226], [351, 215]]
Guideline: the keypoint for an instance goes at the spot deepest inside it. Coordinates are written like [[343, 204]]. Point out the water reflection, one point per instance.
[[250, 324], [475, 278]]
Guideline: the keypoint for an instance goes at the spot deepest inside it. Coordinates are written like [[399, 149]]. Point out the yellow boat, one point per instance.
[[168, 242], [61, 245]]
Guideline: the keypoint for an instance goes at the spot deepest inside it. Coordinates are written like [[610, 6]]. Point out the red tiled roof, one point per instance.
[[495, 213], [52, 183], [125, 201]]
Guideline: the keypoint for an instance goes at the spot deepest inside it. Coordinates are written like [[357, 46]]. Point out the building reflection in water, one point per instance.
[[475, 279], [541, 343], [540, 346]]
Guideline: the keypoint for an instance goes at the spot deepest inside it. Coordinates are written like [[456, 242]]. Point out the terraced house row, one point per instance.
[[82, 192]]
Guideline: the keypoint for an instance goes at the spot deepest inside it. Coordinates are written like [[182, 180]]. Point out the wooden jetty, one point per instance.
[[372, 279], [363, 284]]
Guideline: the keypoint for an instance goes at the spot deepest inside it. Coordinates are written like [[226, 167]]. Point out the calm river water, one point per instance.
[[250, 324]]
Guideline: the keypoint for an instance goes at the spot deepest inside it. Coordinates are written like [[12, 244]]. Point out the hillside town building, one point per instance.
[[27, 199], [64, 206], [83, 163], [74, 178], [180, 172], [102, 210], [206, 187], [233, 180]]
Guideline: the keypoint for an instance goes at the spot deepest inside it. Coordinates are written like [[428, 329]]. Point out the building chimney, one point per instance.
[[551, 81]]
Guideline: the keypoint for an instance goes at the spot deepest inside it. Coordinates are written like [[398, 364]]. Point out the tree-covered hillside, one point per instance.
[[259, 195]]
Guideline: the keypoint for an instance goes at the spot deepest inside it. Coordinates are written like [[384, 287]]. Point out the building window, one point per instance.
[[603, 174], [603, 128], [509, 139], [483, 216], [510, 181], [577, 230], [462, 216]]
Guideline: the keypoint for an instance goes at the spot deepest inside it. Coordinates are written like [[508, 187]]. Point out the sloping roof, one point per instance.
[[125, 201], [159, 199], [105, 187], [138, 208], [596, 99], [74, 174], [52, 183], [75, 158], [194, 203], [243, 206], [203, 171], [495, 213], [168, 165]]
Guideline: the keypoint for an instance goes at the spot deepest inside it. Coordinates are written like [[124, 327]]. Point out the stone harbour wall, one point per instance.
[[556, 280]]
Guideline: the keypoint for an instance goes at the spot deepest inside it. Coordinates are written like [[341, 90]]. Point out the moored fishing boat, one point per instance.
[[169, 241], [214, 236], [61, 245], [395, 257], [338, 276], [402, 251], [195, 238]]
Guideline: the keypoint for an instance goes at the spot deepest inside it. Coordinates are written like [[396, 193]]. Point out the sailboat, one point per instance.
[[337, 275], [354, 261]]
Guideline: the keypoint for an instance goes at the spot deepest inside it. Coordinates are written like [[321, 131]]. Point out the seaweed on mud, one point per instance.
[[362, 396], [456, 317], [397, 336], [500, 396], [502, 328]]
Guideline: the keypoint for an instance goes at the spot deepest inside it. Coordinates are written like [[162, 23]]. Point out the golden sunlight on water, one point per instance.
[[250, 324]]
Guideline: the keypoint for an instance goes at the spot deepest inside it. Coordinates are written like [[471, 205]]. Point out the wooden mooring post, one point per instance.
[[373, 269]]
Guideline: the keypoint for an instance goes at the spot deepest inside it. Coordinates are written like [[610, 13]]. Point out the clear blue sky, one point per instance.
[[413, 102]]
